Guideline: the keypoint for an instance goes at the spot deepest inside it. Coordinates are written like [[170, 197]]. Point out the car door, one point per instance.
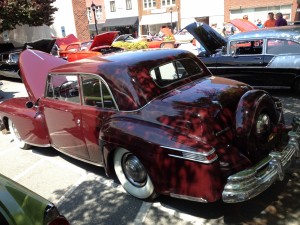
[[62, 110], [98, 105], [282, 59], [243, 61]]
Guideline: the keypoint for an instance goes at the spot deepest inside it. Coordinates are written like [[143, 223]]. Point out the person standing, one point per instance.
[[270, 22], [280, 21]]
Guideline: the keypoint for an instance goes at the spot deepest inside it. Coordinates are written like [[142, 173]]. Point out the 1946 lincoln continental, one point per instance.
[[158, 120]]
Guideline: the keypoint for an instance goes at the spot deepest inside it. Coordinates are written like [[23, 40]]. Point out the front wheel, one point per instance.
[[16, 136], [132, 175]]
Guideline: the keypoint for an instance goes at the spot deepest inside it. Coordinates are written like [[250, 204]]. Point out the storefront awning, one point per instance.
[[121, 22], [159, 18]]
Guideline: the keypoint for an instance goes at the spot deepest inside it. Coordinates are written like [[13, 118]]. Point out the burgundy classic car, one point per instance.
[[158, 120]]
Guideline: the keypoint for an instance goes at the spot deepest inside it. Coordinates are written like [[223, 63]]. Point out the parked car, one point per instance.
[[183, 36], [1, 84], [263, 58], [157, 119], [20, 206], [101, 44], [9, 55]]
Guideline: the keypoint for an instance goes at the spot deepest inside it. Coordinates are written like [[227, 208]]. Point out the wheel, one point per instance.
[[260, 142], [132, 175], [16, 136]]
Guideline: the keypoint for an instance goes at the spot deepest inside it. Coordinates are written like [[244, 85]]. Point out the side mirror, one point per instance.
[[29, 105]]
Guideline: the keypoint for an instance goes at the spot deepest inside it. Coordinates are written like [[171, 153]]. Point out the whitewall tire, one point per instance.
[[132, 175], [16, 136]]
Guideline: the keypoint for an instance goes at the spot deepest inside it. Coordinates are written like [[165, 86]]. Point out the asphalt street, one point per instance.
[[85, 195]]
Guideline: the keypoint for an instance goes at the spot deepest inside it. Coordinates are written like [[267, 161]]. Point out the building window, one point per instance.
[[112, 6], [89, 14], [167, 2], [149, 4], [98, 12], [128, 4]]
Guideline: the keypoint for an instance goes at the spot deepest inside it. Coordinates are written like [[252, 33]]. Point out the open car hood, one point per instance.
[[104, 39], [209, 38], [44, 45], [34, 68], [62, 43], [243, 25]]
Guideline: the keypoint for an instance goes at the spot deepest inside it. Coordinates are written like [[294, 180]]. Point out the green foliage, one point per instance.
[[169, 38], [131, 45], [20, 12]]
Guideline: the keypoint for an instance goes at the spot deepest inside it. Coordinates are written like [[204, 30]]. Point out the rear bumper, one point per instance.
[[249, 183]]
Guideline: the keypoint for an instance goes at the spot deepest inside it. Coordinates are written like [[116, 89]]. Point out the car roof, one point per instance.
[[285, 32], [127, 73]]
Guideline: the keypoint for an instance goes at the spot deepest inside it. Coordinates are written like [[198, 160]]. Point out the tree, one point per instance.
[[20, 12]]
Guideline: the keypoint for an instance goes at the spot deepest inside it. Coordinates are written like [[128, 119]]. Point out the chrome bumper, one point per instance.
[[249, 183]]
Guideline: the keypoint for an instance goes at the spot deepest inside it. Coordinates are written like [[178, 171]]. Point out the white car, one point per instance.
[[183, 36]]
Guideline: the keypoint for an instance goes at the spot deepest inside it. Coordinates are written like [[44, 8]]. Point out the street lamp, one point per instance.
[[171, 11], [93, 6]]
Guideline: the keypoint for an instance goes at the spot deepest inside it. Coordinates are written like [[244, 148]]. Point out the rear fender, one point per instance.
[[248, 105], [147, 141]]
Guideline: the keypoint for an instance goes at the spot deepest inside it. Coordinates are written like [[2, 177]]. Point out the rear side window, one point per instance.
[[174, 71], [96, 93], [278, 46]]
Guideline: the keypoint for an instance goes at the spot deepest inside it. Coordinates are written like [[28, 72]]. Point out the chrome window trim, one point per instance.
[[80, 76]]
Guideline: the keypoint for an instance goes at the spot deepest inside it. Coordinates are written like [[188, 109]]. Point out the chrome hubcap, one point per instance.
[[134, 170], [263, 124]]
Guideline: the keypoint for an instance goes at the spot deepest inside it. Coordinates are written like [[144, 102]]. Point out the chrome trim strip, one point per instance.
[[80, 159], [187, 151], [204, 160], [195, 199], [35, 145]]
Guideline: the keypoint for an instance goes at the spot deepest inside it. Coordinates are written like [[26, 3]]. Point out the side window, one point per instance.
[[252, 47], [277, 46], [95, 93], [171, 72], [63, 87]]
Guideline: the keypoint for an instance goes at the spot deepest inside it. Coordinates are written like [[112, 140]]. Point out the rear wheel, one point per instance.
[[132, 175], [16, 136]]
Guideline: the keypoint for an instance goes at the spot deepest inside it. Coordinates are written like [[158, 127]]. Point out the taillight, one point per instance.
[[52, 216]]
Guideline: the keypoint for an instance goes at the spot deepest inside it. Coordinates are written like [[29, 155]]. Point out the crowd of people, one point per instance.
[[229, 29]]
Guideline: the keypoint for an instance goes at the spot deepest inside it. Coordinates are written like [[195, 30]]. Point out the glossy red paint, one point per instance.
[[167, 128], [81, 50], [244, 25], [38, 65]]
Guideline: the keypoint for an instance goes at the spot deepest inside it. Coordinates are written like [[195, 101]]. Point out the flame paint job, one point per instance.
[[198, 114]]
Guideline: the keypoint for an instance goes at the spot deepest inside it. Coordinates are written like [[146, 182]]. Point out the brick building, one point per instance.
[[80, 19], [258, 9]]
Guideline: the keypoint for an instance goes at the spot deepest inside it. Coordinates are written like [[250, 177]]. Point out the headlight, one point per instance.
[[263, 123]]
